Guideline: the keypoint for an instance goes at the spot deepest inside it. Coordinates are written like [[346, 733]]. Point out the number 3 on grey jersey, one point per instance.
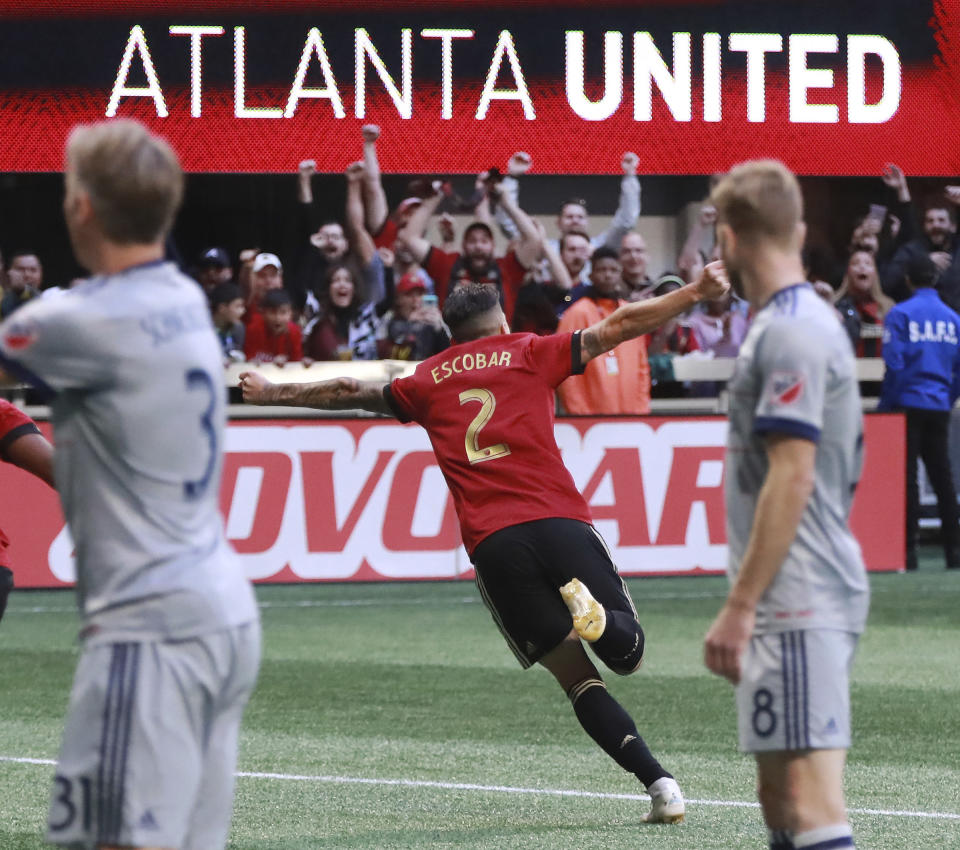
[[171, 630]]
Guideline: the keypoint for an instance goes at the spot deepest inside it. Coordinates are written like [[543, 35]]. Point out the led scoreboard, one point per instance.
[[692, 86]]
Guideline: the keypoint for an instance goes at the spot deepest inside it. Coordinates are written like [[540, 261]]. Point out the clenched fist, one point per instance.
[[254, 387], [713, 282], [519, 164]]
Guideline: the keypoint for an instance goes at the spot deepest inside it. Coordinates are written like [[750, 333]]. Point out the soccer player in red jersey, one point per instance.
[[21, 444], [487, 404]]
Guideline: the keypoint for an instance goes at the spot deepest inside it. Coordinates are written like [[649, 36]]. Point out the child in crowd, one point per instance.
[[227, 307], [278, 339]]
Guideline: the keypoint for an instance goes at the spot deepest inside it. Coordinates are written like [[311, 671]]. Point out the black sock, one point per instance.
[[780, 840], [621, 644], [824, 838], [605, 720], [6, 585]]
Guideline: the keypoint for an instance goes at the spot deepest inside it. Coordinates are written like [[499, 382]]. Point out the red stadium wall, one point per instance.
[[362, 500]]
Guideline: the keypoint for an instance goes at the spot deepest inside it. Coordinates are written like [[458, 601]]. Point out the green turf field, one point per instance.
[[395, 716]]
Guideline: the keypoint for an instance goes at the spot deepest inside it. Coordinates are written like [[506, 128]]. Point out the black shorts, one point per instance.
[[520, 570]]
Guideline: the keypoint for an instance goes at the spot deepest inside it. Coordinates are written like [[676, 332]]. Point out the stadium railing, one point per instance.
[[685, 370]]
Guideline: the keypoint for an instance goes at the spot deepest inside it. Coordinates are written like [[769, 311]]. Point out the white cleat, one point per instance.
[[589, 618], [666, 802]]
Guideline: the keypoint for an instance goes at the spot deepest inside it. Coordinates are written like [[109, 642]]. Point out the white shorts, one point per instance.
[[150, 743], [794, 691]]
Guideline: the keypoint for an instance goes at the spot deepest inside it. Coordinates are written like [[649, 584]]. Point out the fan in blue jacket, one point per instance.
[[921, 350]]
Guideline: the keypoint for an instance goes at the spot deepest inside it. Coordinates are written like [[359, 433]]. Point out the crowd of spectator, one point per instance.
[[371, 284]]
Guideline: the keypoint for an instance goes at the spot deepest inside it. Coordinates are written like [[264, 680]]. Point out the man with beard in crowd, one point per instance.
[[939, 242], [24, 282], [475, 263], [213, 269], [637, 284], [575, 255]]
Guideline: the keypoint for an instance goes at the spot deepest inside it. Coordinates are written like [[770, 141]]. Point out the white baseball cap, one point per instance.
[[261, 261]]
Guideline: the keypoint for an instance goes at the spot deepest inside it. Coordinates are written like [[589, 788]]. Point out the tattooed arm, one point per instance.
[[336, 394], [642, 317]]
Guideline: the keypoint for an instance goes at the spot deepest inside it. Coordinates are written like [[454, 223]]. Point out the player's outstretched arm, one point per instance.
[[642, 317], [336, 394]]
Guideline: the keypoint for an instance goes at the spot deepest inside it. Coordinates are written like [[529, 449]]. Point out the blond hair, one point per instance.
[[132, 177], [760, 199], [883, 302]]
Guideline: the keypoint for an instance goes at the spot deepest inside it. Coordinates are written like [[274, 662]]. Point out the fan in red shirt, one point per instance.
[[277, 338], [476, 262], [21, 444], [487, 404]]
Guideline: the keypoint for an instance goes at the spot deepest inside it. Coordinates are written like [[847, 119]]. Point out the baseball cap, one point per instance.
[[261, 261], [409, 282], [668, 283], [214, 257]]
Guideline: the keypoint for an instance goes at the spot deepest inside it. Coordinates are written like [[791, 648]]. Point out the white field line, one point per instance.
[[362, 603], [508, 789], [386, 603]]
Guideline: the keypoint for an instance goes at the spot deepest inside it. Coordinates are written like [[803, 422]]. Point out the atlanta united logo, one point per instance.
[[786, 387]]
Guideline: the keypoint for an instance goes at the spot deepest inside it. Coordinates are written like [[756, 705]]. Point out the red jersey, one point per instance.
[[264, 346], [488, 407], [14, 423], [449, 270]]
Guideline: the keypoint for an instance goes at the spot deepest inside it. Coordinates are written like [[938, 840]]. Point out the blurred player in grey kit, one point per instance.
[[799, 593], [170, 629]]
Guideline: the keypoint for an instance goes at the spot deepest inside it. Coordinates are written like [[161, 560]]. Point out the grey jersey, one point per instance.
[[138, 417], [796, 375]]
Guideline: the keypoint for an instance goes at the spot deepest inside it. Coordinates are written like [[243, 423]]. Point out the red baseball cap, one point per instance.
[[409, 282]]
